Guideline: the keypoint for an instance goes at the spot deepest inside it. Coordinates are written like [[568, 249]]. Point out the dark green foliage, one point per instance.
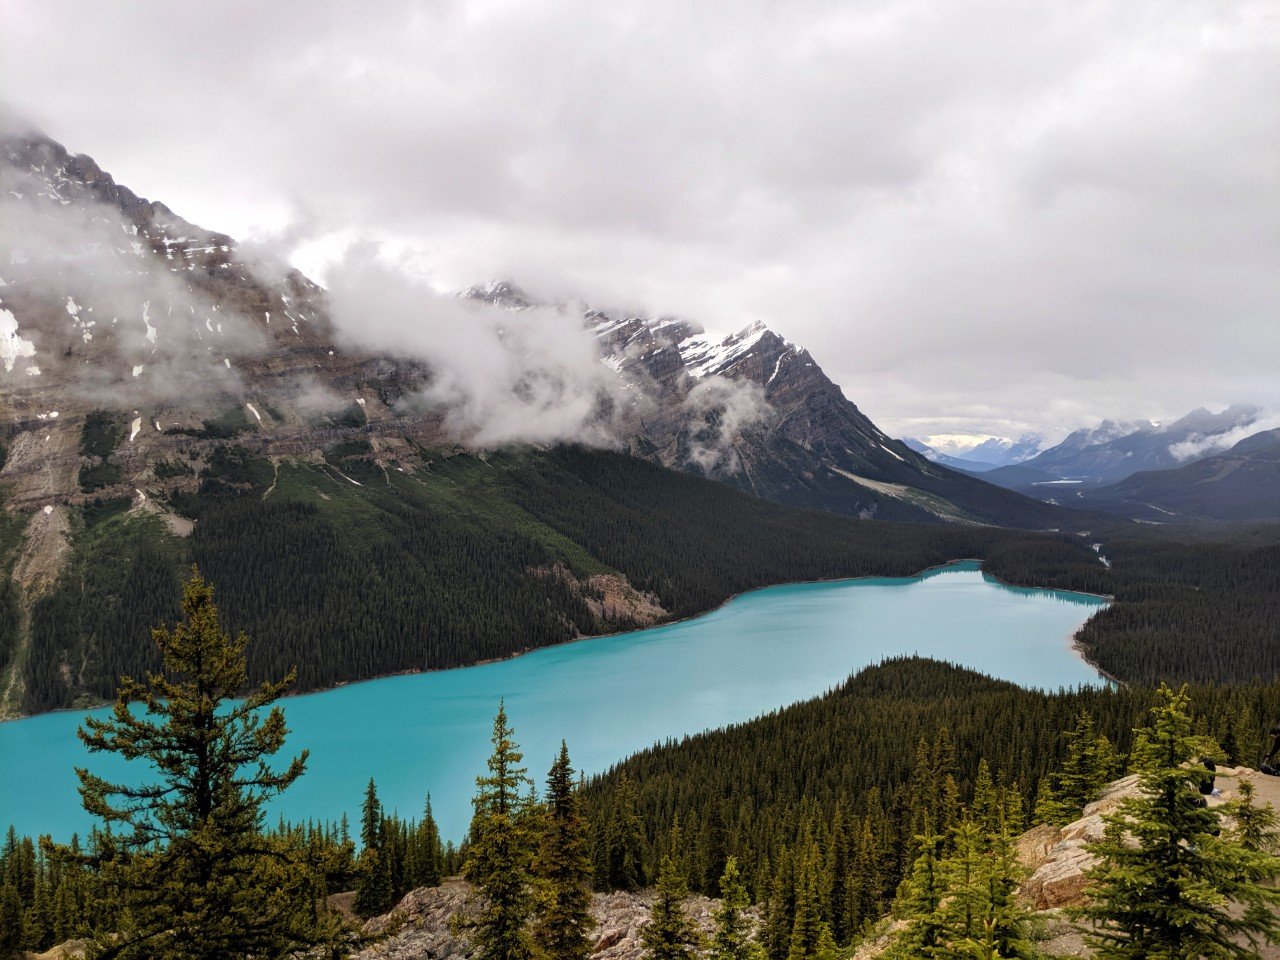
[[619, 841], [169, 469], [731, 939], [352, 568], [1172, 880], [101, 433], [670, 934], [563, 870], [375, 891], [859, 749], [98, 475], [1190, 610], [1191, 605], [1089, 765], [12, 526], [223, 427], [121, 581], [500, 854], [195, 875], [12, 930]]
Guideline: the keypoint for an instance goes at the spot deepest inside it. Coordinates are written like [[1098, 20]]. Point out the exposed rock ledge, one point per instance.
[[426, 933]]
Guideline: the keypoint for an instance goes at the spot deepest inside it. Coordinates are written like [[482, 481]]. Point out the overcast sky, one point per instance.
[[980, 217]]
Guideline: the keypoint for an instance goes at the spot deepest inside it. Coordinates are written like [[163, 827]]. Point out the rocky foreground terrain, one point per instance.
[[419, 928], [1056, 859]]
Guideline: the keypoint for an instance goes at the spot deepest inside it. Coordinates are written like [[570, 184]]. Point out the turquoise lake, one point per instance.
[[608, 696]]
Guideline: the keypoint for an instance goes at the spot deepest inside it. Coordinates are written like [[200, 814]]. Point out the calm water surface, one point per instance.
[[607, 697]]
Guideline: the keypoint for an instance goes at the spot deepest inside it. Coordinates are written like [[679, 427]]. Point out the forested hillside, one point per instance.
[[347, 569], [853, 772]]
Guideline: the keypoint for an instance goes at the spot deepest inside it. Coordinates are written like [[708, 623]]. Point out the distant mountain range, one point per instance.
[[988, 455], [1111, 465], [1241, 484]]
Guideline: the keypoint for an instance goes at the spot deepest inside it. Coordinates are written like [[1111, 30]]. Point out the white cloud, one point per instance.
[[988, 216]]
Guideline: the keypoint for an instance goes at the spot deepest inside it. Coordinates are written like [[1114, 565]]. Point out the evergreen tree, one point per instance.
[[1089, 765], [12, 929], [808, 927], [979, 914], [196, 876], [670, 934], [1170, 882], [563, 866], [375, 890], [918, 900], [500, 852], [838, 872], [1253, 826], [732, 937], [371, 818], [624, 841]]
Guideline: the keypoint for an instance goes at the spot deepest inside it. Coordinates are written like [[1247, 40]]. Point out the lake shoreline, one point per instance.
[[1075, 645]]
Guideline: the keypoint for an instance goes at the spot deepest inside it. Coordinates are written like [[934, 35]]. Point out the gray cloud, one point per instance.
[[987, 216], [97, 311], [720, 409], [498, 376]]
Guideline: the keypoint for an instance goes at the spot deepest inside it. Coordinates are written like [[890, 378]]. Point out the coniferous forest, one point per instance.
[[902, 793], [346, 571]]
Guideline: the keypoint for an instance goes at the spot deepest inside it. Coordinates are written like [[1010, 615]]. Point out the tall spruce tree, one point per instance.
[[500, 853], [1089, 764], [670, 934], [731, 939], [1171, 880], [374, 887], [12, 929], [195, 876], [624, 841], [564, 868]]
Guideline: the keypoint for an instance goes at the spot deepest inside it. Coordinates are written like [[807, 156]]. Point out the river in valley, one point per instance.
[[607, 697]]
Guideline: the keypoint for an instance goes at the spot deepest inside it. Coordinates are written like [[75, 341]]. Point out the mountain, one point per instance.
[[757, 412], [113, 300], [1003, 452], [1240, 484], [169, 397], [1115, 450], [955, 463]]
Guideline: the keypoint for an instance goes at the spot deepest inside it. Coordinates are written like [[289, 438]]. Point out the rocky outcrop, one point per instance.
[[420, 926], [1057, 858]]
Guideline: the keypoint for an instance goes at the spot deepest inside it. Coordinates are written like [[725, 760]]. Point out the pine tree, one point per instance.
[[375, 889], [1089, 764], [500, 853], [563, 866], [1170, 882], [371, 818], [433, 851], [732, 937], [918, 900], [624, 841], [670, 934], [1253, 826], [839, 870], [196, 876], [12, 929], [808, 926]]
